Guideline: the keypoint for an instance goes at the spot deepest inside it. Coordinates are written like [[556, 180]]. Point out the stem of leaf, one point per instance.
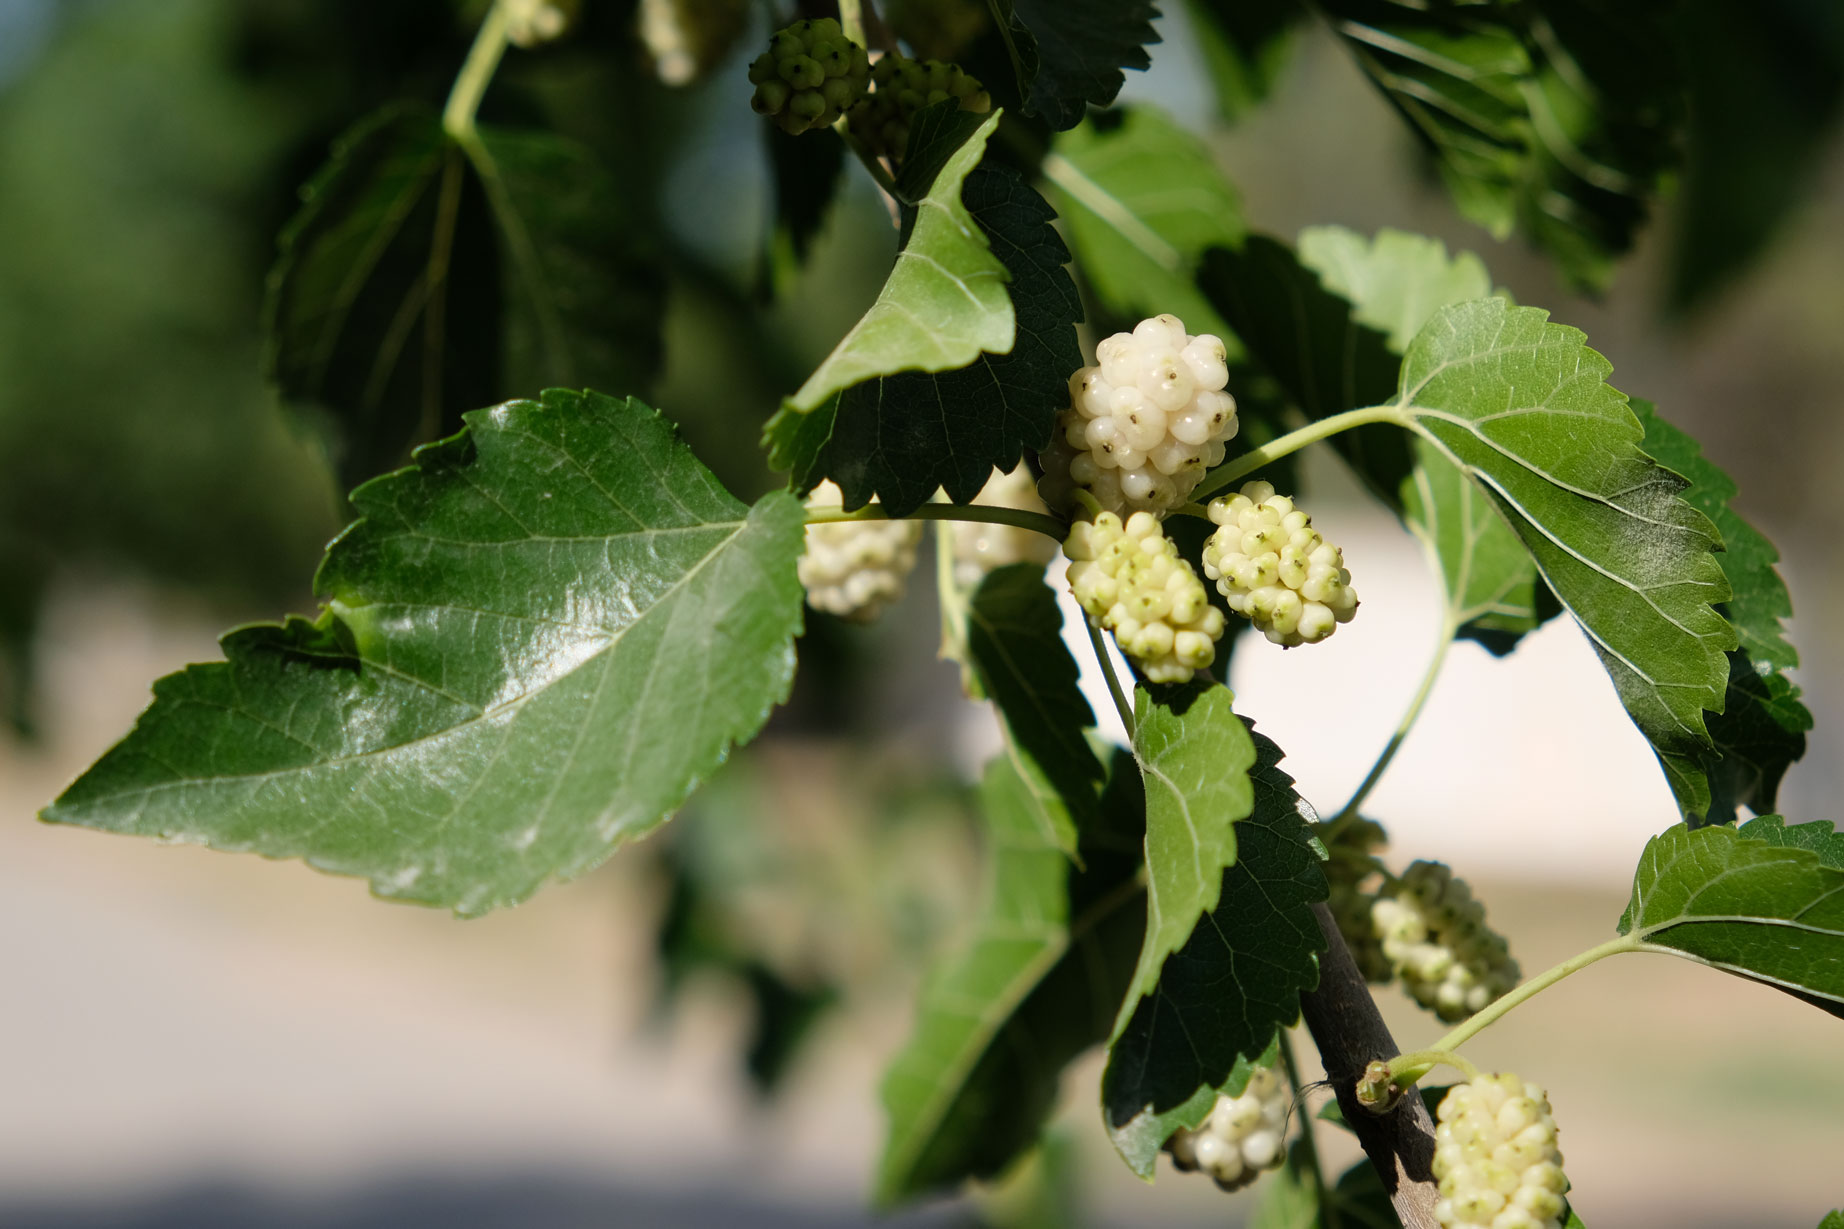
[[851, 20], [1403, 727], [1121, 706], [1293, 441], [1037, 522], [1407, 1068], [1327, 1213], [476, 72]]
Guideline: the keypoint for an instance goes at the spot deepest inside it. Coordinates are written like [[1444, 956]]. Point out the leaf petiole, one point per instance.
[[476, 73], [1037, 522], [1349, 813], [1308, 1145], [1121, 706], [1293, 441]]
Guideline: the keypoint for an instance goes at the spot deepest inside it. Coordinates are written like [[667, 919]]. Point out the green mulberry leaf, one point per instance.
[[534, 643], [1034, 986], [1068, 54], [1763, 901], [1223, 997], [1015, 646], [1245, 48], [1762, 728], [1522, 405], [903, 436], [1834, 1221], [1142, 200]]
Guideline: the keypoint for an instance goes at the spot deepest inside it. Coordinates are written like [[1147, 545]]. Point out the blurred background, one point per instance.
[[692, 1035]]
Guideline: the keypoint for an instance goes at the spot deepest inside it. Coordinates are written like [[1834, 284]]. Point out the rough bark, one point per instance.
[[1350, 1032]]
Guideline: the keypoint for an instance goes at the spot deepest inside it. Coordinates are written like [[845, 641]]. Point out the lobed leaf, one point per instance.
[[1033, 988], [1068, 54], [942, 306], [1522, 405], [1762, 901], [535, 642], [1222, 998], [1142, 200], [1015, 646], [902, 437]]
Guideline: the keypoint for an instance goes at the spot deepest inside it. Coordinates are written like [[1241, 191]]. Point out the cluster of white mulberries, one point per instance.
[[533, 23], [1434, 933], [1350, 874], [1496, 1158], [1130, 579], [1243, 1137], [1144, 422], [809, 76], [855, 568], [980, 548], [1274, 567]]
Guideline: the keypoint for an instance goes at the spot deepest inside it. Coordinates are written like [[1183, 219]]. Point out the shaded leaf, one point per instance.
[[1245, 48], [1762, 901], [1068, 54], [1223, 997], [1522, 405], [1142, 200], [903, 436], [383, 307], [943, 304], [1035, 986], [534, 643], [1762, 728], [1015, 646], [805, 170]]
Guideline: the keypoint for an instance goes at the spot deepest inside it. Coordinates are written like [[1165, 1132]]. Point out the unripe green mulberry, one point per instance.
[[980, 547], [1495, 1156], [810, 75], [1350, 874], [855, 568], [1130, 579], [1144, 422], [900, 88], [1243, 1137], [1433, 931], [1273, 567]]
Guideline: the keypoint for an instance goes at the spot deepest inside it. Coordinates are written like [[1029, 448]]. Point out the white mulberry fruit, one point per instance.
[[855, 568], [1433, 931], [900, 87], [1275, 569], [1496, 1158], [1244, 1136], [1350, 874], [810, 75], [1144, 422], [980, 547], [1130, 579], [533, 23]]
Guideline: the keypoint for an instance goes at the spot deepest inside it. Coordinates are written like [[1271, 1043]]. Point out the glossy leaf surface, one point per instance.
[[535, 642]]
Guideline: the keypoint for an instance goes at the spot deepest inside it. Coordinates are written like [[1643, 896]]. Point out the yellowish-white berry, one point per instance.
[[980, 547], [1144, 422], [1433, 932], [1129, 579], [1244, 1136], [855, 568], [1496, 1158], [1275, 569]]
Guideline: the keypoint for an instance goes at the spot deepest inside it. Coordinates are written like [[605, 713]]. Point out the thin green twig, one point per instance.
[[476, 73], [1121, 706], [1401, 734], [1293, 441], [1328, 1214]]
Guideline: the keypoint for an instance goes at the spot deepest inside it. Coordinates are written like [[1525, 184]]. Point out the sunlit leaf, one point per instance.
[[534, 643]]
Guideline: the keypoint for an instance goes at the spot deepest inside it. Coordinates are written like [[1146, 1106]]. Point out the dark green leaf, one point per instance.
[[1245, 48], [1394, 284], [1015, 646], [1762, 901], [1068, 54], [1222, 998], [944, 303], [534, 643], [383, 307], [901, 437], [1142, 200], [583, 300], [1034, 987], [1762, 728], [1195, 755], [1557, 118], [1766, 87], [1290, 1200], [806, 173], [1523, 406]]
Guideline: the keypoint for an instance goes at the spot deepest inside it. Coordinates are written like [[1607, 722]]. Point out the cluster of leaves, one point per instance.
[[542, 634]]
